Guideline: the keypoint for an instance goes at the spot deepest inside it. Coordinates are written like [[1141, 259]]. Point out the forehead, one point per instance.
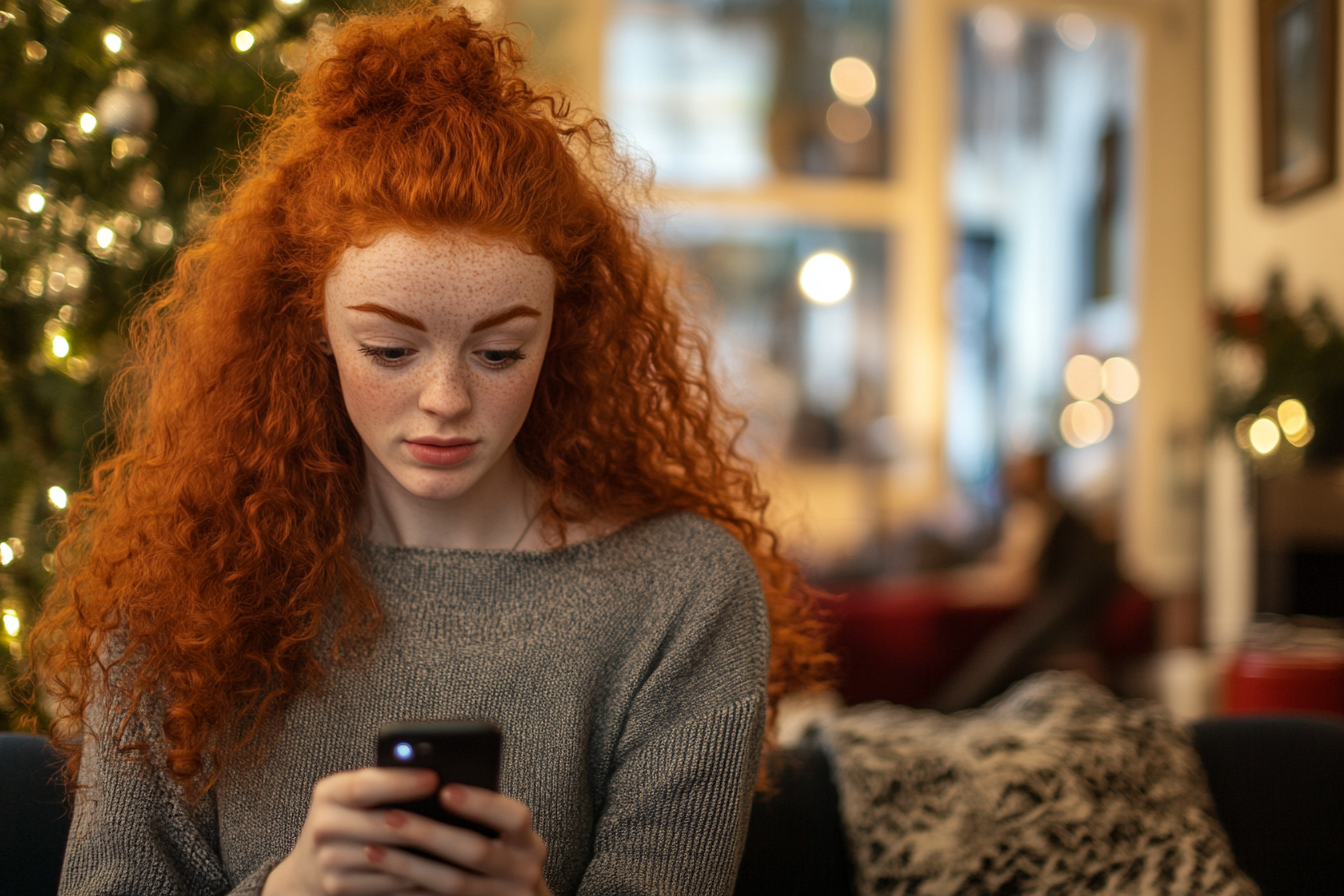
[[446, 269]]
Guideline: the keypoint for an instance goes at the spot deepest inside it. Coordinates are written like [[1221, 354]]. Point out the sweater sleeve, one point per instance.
[[673, 817], [134, 833]]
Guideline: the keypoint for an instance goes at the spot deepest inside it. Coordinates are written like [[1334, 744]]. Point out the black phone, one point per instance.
[[462, 751]]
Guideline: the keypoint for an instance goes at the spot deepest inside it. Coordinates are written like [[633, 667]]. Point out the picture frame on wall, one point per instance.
[[1299, 58]]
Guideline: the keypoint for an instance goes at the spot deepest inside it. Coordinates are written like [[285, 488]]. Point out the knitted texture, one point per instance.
[[628, 674]]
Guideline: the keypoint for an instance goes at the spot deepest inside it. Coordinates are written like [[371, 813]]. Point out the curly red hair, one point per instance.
[[218, 530]]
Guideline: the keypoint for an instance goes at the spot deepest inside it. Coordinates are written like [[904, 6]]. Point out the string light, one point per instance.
[[11, 623], [6, 554], [57, 496], [88, 122], [112, 40], [1264, 436], [243, 40]]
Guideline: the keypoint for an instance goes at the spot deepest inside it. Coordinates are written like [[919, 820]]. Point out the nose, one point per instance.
[[446, 394]]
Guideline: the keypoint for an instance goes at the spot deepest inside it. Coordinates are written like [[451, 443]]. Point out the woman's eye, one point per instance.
[[384, 354], [499, 358]]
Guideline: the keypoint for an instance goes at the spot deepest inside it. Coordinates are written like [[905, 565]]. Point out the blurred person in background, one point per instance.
[[1048, 563]]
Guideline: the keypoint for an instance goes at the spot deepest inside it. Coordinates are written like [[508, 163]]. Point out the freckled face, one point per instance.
[[438, 340]]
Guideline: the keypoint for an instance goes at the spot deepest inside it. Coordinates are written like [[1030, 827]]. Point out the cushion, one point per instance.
[[1054, 788]]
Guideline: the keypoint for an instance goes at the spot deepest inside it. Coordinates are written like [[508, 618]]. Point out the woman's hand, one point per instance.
[[349, 847]]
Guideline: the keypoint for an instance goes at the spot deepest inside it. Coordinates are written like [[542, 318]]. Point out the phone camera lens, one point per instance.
[[424, 748], [403, 751]]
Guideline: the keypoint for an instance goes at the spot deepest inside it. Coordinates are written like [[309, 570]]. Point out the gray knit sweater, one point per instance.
[[627, 673]]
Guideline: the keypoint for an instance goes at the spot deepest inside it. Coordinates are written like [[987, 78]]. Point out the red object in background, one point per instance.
[[1292, 680], [902, 640]]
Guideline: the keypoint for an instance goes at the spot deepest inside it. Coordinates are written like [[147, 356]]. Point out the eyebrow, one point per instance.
[[504, 316], [395, 316]]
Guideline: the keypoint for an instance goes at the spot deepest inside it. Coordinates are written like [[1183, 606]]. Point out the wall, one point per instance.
[[1248, 238]]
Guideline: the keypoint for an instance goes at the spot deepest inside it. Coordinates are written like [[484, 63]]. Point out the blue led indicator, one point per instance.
[[403, 751]]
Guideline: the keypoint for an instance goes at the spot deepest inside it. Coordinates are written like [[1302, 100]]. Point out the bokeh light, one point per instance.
[[11, 623], [1077, 30], [1086, 423], [88, 122], [112, 40], [1263, 436], [848, 124], [243, 40], [60, 346], [1083, 377], [57, 496], [853, 80], [1119, 379], [825, 278]]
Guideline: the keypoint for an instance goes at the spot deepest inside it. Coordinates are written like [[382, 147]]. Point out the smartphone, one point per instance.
[[462, 751]]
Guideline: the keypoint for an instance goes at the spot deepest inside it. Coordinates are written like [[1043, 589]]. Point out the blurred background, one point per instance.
[[1032, 305]]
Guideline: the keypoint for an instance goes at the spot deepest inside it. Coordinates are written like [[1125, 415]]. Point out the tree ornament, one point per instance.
[[126, 107]]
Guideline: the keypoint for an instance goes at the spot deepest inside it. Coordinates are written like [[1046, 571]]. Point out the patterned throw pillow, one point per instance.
[[1054, 788]]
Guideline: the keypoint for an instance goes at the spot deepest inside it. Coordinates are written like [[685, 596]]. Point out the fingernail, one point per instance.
[[454, 794], [375, 853], [396, 818]]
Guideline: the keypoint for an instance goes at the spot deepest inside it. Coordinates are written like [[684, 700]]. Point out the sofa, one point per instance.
[[1277, 783]]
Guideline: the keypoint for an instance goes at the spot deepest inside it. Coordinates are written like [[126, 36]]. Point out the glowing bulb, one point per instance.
[[104, 237], [57, 496], [1083, 377], [88, 122], [1076, 30], [12, 624], [825, 278], [1119, 379], [1086, 423], [36, 202], [243, 40], [6, 554], [853, 80], [848, 124], [112, 40], [1264, 436], [60, 346], [1292, 416]]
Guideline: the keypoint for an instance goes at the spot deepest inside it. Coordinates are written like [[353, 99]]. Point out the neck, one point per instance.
[[492, 515]]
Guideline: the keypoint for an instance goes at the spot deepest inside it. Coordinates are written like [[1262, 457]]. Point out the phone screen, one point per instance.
[[461, 751]]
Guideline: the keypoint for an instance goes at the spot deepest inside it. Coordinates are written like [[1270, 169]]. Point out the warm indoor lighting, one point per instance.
[[853, 80], [35, 201], [112, 40], [104, 237], [1077, 30], [998, 28], [57, 496], [1119, 379], [1086, 423], [11, 623], [1292, 416], [60, 346], [88, 122], [243, 40], [6, 554], [848, 124], [1083, 377], [825, 278], [1264, 436]]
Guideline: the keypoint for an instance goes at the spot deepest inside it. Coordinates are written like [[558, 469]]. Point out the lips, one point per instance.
[[440, 452]]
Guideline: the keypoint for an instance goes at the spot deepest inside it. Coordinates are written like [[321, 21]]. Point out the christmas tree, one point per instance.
[[117, 120]]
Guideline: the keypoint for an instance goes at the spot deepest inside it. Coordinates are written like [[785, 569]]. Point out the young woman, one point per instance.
[[416, 431]]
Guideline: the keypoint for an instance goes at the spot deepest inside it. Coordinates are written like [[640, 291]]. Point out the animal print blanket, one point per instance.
[[1054, 788]]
